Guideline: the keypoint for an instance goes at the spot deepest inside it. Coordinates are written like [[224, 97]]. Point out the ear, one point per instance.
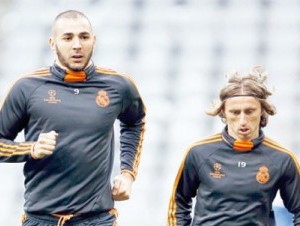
[[223, 116], [263, 111], [52, 43], [224, 120], [95, 39], [222, 113]]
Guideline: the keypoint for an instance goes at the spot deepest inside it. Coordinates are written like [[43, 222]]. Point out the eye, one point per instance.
[[67, 38], [249, 111], [235, 112], [84, 36]]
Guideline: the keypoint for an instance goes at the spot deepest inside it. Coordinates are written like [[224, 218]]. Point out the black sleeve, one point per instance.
[[132, 123], [184, 190], [13, 119], [290, 188]]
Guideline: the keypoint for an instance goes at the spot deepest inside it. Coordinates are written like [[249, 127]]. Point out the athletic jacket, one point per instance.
[[76, 178], [234, 185]]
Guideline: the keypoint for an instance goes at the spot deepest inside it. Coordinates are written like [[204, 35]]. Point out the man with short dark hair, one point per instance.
[[68, 112]]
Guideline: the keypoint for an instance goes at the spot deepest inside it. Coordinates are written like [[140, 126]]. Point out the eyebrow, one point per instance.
[[81, 33], [245, 109]]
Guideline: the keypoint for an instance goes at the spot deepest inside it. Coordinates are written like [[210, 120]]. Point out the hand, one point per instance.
[[122, 186], [45, 145]]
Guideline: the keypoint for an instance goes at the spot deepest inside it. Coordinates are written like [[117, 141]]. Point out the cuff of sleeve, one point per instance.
[[130, 172]]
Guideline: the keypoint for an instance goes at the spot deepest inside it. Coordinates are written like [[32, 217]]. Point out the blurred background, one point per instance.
[[178, 52]]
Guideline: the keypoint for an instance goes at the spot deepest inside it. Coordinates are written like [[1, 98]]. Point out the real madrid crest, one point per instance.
[[263, 175], [102, 99]]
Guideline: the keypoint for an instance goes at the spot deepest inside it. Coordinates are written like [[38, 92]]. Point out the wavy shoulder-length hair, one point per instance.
[[251, 84]]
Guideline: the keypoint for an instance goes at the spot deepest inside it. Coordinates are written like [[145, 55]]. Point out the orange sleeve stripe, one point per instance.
[[20, 145], [172, 221], [108, 71], [7, 150], [105, 70], [37, 73], [137, 158], [40, 72], [270, 143], [12, 149]]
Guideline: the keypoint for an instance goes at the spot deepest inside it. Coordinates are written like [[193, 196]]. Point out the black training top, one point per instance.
[[234, 185], [76, 178]]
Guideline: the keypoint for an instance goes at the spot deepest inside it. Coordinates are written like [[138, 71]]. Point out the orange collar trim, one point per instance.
[[75, 76], [240, 145]]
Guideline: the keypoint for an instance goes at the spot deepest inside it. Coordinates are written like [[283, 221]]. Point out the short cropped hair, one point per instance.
[[70, 14]]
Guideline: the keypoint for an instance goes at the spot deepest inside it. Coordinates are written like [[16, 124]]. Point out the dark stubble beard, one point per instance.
[[65, 63]]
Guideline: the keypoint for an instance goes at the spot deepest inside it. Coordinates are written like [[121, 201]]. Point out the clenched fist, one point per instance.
[[122, 186], [45, 145]]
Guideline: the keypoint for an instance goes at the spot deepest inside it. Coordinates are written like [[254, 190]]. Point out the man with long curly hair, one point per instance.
[[236, 174]]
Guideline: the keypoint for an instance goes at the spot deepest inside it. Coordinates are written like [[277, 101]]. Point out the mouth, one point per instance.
[[77, 58], [244, 131]]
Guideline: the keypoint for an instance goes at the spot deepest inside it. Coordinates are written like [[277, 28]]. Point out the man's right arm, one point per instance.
[[185, 188], [13, 119]]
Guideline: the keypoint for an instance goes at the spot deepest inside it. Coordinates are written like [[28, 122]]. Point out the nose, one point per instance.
[[76, 43], [243, 119]]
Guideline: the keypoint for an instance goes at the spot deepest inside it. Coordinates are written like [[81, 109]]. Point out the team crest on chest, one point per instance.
[[102, 99], [263, 175]]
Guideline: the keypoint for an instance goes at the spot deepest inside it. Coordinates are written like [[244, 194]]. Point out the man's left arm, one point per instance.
[[132, 128], [290, 189]]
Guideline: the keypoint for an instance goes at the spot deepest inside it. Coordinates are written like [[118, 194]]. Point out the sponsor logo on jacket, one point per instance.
[[52, 99], [217, 171]]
